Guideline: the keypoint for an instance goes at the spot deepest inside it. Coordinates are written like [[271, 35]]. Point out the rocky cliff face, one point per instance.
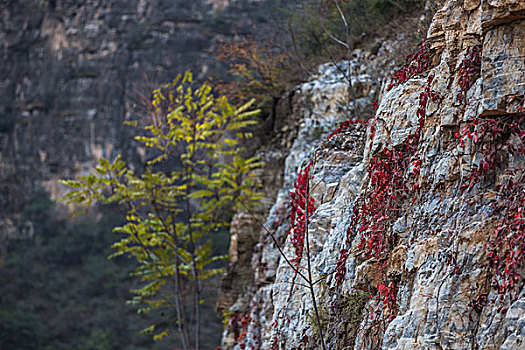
[[66, 81], [68, 78], [417, 239]]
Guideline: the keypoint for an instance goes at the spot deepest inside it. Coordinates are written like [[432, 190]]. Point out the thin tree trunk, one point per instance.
[[177, 304], [310, 281], [177, 274], [346, 44], [348, 56], [197, 294], [182, 327]]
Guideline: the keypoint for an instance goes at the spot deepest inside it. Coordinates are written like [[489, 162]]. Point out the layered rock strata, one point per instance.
[[429, 287]]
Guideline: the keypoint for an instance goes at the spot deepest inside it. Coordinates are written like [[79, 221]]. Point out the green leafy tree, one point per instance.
[[173, 209]]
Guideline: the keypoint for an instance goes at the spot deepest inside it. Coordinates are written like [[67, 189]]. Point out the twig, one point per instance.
[[348, 51], [312, 292], [274, 241]]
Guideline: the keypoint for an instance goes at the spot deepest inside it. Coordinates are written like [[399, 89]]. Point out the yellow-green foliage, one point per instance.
[[170, 215], [353, 309]]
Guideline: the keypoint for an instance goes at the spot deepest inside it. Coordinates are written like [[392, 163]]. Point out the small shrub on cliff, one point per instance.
[[170, 214], [256, 70], [313, 22]]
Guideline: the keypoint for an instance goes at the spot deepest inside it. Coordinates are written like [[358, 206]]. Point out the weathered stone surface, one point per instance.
[[502, 67], [66, 83], [69, 72], [436, 225], [470, 5], [496, 12]]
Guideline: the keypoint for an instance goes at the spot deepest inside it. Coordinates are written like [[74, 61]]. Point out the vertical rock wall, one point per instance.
[[69, 72], [429, 287], [66, 82]]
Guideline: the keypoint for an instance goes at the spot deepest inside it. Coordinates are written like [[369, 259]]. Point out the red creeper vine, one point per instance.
[[389, 295], [469, 71], [388, 190], [343, 126], [374, 216], [303, 206], [496, 140], [415, 64]]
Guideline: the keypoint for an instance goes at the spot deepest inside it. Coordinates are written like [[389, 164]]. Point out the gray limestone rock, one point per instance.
[[438, 259]]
